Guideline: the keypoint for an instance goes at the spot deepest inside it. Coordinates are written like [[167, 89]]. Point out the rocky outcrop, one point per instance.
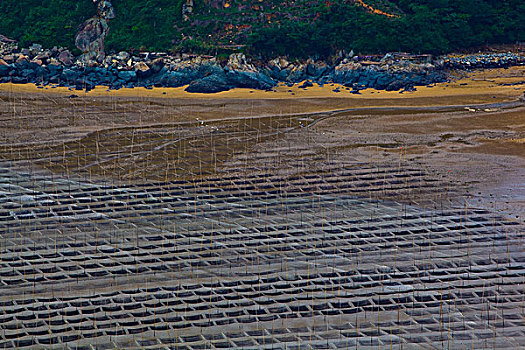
[[202, 74], [205, 74], [238, 62], [403, 75], [142, 69], [90, 38], [494, 60], [66, 58], [210, 84]]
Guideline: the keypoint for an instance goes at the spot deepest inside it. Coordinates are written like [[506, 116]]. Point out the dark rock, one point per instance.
[[32, 65], [27, 73], [19, 80], [157, 75], [69, 75], [142, 70], [173, 79], [296, 75], [382, 81], [209, 69], [317, 70], [395, 85], [35, 49], [249, 80], [157, 64], [5, 70], [282, 76], [210, 84], [128, 76], [367, 80], [54, 79], [306, 84], [273, 72], [41, 73]]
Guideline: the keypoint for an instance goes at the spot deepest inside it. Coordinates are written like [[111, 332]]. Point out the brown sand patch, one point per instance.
[[505, 147]]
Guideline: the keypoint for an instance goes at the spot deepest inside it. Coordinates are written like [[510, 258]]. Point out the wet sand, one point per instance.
[[469, 130], [291, 222]]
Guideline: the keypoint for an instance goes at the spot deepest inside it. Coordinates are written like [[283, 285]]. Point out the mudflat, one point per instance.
[[470, 129], [134, 218]]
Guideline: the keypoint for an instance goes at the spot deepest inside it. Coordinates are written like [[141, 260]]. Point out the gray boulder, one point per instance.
[[66, 58], [127, 76], [249, 80], [210, 84], [173, 79], [5, 70]]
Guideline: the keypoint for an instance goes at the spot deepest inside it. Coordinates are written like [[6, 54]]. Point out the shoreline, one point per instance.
[[474, 120], [484, 82]]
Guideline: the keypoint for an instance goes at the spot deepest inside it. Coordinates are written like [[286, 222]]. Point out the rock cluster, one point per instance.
[[358, 76], [494, 60], [205, 74]]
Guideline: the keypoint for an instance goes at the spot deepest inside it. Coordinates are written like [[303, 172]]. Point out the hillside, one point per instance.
[[270, 27]]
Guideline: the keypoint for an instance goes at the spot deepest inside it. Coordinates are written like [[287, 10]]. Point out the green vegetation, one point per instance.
[[147, 24], [426, 26], [50, 23], [267, 28]]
